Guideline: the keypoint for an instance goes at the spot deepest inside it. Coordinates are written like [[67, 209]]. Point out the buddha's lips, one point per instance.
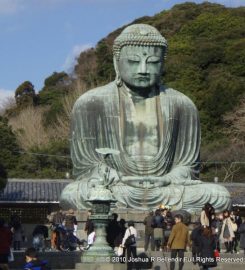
[[142, 78]]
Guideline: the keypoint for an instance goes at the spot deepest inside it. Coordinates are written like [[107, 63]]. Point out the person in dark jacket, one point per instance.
[[195, 238], [216, 227], [158, 224], [237, 221], [169, 221], [5, 243], [17, 230], [207, 247], [70, 221], [32, 261], [40, 234], [89, 226], [241, 231], [112, 230], [122, 230], [149, 231]]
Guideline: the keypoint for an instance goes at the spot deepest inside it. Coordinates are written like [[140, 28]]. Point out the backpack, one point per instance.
[[130, 240]]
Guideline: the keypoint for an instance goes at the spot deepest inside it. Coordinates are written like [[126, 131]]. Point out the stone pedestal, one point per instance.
[[100, 251]]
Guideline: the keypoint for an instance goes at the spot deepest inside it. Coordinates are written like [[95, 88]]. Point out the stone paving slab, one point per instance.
[[72, 260]]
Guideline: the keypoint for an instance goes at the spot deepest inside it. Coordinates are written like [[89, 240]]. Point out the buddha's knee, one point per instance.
[[196, 196], [72, 197]]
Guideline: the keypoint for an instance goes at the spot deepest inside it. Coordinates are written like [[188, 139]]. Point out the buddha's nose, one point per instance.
[[142, 67]]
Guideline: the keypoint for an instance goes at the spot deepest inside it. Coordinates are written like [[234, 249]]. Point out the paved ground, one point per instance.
[[71, 260]]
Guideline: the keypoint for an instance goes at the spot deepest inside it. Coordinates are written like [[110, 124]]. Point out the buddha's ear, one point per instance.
[[118, 77]]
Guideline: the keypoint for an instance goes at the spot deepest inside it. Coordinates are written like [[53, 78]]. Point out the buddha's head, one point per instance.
[[139, 52]]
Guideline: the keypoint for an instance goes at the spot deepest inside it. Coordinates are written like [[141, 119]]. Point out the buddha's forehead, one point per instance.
[[141, 50]]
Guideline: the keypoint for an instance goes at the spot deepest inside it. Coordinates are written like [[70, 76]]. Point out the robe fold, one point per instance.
[[98, 121]]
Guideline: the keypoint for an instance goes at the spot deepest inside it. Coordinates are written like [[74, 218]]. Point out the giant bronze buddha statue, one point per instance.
[[154, 129]]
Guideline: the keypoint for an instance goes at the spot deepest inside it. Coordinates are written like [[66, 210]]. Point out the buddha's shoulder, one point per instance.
[[96, 94], [177, 96]]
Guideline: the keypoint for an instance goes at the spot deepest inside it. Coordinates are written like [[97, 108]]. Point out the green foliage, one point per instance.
[[105, 70], [57, 78], [3, 177], [51, 161], [25, 95], [55, 88], [8, 145], [205, 61]]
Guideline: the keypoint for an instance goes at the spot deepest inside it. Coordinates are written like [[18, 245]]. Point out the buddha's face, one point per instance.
[[140, 67]]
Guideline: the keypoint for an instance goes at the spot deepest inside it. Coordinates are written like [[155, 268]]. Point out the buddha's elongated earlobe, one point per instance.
[[118, 77]]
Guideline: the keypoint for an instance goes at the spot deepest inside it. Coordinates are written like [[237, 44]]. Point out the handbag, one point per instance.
[[158, 233], [226, 233], [130, 240], [234, 226], [216, 254], [120, 251]]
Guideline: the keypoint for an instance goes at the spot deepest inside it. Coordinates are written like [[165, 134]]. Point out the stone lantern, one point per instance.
[[101, 199]]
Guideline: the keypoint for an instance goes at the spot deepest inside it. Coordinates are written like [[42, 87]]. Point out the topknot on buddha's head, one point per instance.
[[139, 35]]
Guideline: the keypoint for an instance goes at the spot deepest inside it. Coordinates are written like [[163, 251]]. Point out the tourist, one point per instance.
[[206, 215], [91, 239], [89, 226], [149, 231], [32, 261], [169, 221], [216, 227], [70, 221], [241, 231], [122, 230], [40, 234], [158, 225], [195, 238], [5, 243], [236, 222], [207, 248], [119, 238], [56, 219], [130, 249], [112, 230], [227, 233], [178, 241], [18, 233]]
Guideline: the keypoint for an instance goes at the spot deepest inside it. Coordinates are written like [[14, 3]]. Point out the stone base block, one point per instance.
[[100, 266]]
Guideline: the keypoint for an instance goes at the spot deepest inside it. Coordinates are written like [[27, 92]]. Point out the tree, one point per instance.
[[3, 177], [8, 145], [25, 95], [56, 87]]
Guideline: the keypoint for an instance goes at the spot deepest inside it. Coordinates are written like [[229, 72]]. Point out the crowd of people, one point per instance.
[[164, 231], [13, 236], [167, 232]]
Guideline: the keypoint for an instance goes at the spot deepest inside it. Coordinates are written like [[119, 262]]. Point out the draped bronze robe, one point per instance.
[[97, 123]]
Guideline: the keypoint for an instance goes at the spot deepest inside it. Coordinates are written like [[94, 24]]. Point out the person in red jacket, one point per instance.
[[5, 243]]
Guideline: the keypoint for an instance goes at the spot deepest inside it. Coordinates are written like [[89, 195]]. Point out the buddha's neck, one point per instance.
[[140, 94]]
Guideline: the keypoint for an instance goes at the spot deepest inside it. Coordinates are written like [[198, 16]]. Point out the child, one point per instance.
[[91, 239], [32, 261]]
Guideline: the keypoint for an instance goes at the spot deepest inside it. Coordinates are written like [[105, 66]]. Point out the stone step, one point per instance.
[[72, 260]]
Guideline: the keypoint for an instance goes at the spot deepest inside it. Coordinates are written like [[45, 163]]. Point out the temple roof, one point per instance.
[[49, 190], [33, 190]]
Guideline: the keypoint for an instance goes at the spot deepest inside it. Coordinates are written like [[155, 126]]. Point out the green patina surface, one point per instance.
[[154, 130]]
